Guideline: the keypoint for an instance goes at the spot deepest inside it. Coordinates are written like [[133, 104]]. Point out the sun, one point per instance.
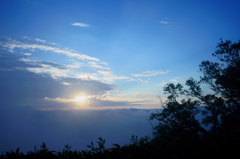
[[81, 99]]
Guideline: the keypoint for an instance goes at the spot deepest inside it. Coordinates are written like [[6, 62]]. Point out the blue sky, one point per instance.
[[92, 55]]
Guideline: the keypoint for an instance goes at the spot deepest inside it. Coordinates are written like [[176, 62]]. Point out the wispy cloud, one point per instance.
[[55, 44], [163, 83], [134, 98], [97, 66], [40, 40], [164, 22], [175, 80], [137, 79], [107, 74], [80, 24], [102, 71], [55, 70], [86, 76], [70, 100], [111, 77], [75, 65], [43, 63], [25, 37], [150, 73], [11, 44], [27, 54]]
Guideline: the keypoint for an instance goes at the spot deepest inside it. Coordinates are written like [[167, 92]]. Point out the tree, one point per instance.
[[224, 79], [221, 110], [178, 119]]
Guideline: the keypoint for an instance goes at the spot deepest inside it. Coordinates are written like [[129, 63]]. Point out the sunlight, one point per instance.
[[81, 99]]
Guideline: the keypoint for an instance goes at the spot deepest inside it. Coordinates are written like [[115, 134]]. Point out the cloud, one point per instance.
[[54, 69], [25, 97], [76, 128], [150, 73], [19, 86], [12, 44], [101, 101], [40, 40], [86, 75], [175, 80], [42, 63], [163, 83], [28, 89], [137, 79], [10, 62], [55, 44], [102, 71], [80, 24], [164, 22], [27, 54], [108, 76], [96, 102], [25, 37], [104, 63], [91, 87], [138, 98], [97, 66], [75, 65], [80, 102]]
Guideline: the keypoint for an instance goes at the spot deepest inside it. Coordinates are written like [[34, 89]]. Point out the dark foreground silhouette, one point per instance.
[[179, 134]]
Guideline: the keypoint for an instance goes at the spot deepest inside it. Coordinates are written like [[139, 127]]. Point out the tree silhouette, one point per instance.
[[220, 110], [224, 79]]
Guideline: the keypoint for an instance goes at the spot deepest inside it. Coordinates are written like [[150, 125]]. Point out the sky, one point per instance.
[[72, 71]]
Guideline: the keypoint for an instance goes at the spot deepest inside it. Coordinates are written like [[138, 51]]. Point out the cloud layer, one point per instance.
[[26, 128]]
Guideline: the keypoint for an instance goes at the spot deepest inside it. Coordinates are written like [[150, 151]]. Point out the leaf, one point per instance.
[[100, 139]]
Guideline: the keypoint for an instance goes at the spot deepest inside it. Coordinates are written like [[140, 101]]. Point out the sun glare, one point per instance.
[[81, 99]]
